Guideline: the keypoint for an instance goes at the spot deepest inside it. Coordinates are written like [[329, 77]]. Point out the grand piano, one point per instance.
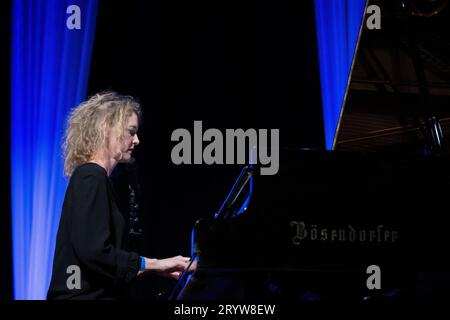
[[365, 220]]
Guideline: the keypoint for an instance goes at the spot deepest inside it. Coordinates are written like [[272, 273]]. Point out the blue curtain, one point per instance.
[[49, 74], [337, 23]]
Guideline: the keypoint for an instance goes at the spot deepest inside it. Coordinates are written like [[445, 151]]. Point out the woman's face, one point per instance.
[[121, 149]]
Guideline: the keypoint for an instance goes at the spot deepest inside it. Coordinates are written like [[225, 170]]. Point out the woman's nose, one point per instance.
[[136, 139]]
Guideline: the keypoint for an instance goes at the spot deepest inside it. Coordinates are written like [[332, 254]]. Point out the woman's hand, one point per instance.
[[169, 267]]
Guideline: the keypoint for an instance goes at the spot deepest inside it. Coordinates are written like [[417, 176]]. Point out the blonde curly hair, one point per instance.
[[88, 123]]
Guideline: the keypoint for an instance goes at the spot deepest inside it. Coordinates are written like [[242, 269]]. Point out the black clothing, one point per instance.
[[91, 235]]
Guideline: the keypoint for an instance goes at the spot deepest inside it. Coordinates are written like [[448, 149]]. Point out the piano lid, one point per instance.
[[399, 79]]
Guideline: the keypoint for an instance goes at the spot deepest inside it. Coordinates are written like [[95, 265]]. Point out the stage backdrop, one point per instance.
[[51, 53]]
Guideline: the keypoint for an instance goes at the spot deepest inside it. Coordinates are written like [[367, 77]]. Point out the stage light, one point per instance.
[[49, 74]]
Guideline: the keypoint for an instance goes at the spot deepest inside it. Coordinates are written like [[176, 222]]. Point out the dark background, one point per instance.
[[231, 65]]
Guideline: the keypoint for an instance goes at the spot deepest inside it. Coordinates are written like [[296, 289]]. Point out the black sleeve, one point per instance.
[[91, 234]]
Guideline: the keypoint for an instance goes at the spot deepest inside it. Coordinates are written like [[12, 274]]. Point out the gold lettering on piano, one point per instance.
[[300, 232], [314, 232]]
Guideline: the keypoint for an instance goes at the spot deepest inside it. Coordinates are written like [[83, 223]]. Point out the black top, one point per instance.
[[91, 235]]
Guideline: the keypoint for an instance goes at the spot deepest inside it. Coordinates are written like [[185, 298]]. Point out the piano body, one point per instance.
[[379, 200]]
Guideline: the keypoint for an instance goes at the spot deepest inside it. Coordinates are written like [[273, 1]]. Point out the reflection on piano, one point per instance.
[[399, 90], [378, 199]]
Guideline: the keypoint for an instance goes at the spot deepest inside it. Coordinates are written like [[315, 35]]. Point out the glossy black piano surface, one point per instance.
[[312, 230]]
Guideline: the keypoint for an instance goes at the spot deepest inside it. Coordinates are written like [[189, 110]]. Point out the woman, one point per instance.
[[89, 261]]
